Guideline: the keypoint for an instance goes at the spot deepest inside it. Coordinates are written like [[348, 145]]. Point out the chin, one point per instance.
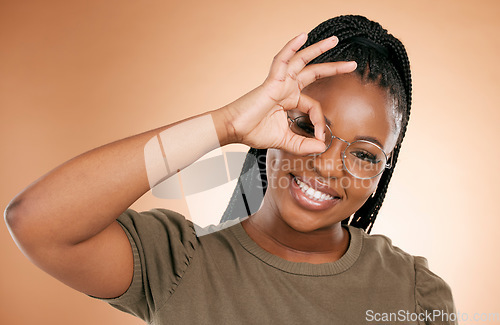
[[305, 222]]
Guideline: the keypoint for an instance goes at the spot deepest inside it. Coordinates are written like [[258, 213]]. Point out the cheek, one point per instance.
[[279, 164], [363, 185], [276, 166], [359, 190]]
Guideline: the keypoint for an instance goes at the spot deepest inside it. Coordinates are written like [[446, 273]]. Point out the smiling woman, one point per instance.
[[358, 111], [329, 120], [384, 81]]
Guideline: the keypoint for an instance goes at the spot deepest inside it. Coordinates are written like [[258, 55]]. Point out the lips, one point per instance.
[[308, 202], [317, 185]]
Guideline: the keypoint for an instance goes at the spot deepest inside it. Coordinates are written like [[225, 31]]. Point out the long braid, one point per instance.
[[250, 187], [381, 58], [365, 216]]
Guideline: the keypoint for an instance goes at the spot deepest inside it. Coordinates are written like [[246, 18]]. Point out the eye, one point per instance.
[[365, 156], [305, 126]]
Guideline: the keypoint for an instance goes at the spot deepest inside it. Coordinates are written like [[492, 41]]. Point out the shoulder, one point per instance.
[[384, 265], [157, 222], [430, 291], [161, 236], [158, 216], [380, 247], [163, 244]]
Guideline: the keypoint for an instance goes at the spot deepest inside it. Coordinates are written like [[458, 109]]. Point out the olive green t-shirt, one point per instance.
[[226, 278]]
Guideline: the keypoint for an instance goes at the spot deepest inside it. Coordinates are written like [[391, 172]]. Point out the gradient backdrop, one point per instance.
[[78, 74]]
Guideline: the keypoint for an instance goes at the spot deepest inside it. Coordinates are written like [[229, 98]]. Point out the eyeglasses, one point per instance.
[[362, 159]]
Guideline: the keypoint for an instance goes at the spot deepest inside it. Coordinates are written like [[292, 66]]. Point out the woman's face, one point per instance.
[[356, 111]]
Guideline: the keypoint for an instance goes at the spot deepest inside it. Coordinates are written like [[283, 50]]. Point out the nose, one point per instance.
[[329, 163]]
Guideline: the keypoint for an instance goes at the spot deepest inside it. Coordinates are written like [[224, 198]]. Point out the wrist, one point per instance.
[[224, 127]]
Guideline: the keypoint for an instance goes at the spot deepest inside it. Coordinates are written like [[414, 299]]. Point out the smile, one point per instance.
[[312, 193], [309, 198]]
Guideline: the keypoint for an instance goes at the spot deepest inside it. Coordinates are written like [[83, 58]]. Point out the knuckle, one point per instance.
[[292, 75], [304, 60], [323, 49], [285, 61], [278, 58], [300, 84], [300, 144]]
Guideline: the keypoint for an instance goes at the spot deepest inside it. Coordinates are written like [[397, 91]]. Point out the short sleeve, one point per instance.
[[433, 296], [163, 243]]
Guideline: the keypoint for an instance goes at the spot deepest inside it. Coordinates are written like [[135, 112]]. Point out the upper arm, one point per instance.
[[156, 245], [101, 266]]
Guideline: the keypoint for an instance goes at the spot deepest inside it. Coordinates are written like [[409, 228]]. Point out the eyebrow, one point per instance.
[[371, 139]]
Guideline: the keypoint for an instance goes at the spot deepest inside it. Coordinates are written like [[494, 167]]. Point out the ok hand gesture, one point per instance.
[[259, 118]]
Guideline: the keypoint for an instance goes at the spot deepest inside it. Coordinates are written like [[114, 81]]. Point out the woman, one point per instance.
[[333, 113]]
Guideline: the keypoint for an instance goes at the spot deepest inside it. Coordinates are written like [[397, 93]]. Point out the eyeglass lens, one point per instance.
[[363, 159]]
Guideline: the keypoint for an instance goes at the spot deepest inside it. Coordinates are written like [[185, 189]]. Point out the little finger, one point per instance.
[[281, 61]]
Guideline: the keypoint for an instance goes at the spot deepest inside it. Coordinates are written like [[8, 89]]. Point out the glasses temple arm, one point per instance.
[[389, 160]]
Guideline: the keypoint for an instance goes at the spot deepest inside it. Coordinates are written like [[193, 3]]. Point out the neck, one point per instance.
[[268, 229]]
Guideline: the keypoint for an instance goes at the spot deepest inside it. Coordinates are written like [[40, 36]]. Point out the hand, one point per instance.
[[259, 118]]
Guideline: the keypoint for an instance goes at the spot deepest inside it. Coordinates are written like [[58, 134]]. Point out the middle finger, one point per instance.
[[312, 108]]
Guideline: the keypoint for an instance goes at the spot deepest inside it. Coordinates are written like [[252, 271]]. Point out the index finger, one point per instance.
[[313, 108]]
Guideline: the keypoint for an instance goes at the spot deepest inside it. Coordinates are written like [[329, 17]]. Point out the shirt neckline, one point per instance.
[[301, 268]]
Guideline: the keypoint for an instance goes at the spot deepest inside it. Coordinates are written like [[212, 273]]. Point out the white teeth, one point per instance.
[[312, 193]]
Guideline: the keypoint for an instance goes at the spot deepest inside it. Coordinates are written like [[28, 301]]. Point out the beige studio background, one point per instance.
[[78, 74]]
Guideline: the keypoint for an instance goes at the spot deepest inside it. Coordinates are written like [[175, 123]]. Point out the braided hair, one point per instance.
[[381, 58]]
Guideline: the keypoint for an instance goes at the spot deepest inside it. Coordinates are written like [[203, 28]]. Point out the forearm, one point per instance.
[[83, 196]]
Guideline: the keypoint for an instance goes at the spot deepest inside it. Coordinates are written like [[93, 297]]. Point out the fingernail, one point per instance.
[[353, 64], [333, 39], [323, 147]]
